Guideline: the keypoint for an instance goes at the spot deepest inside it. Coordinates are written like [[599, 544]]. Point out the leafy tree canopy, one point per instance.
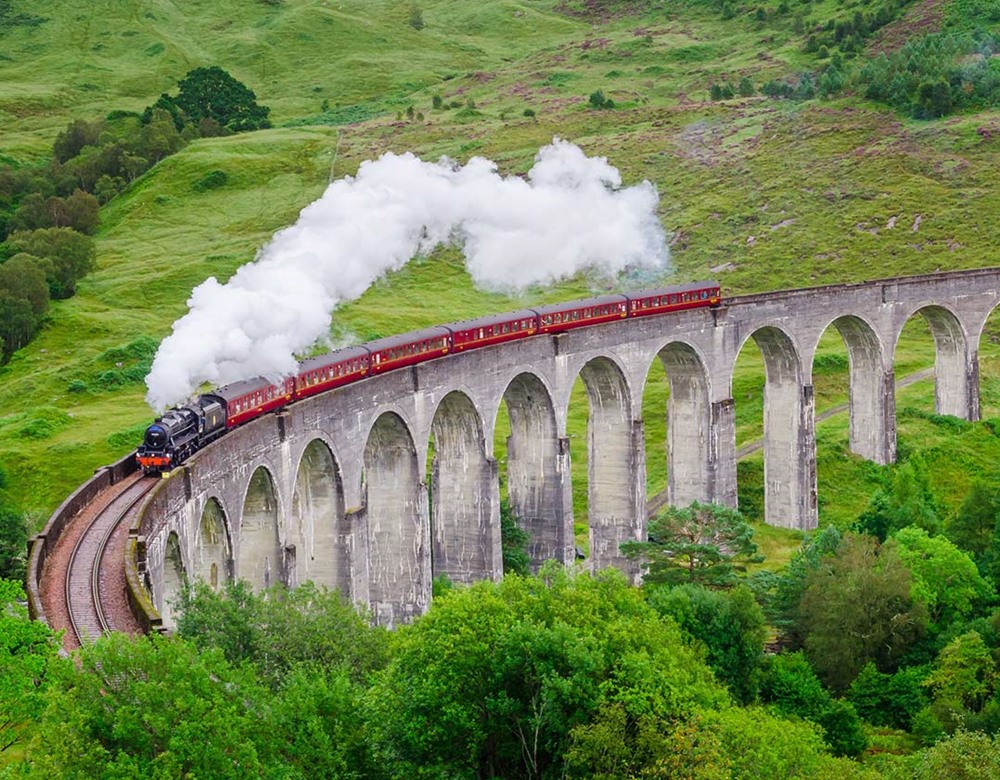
[[492, 680], [973, 526], [907, 500], [858, 607], [280, 628], [211, 93], [65, 255], [945, 578], [706, 544], [729, 624], [28, 651], [791, 688]]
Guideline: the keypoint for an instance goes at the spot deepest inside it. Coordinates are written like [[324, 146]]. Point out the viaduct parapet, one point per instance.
[[334, 489]]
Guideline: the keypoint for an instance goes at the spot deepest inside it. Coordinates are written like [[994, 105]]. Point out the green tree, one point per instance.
[[22, 278], [729, 624], [280, 628], [18, 324], [13, 542], [707, 544], [973, 525], [746, 87], [963, 679], [159, 138], [758, 744], [29, 652], [791, 688], [513, 542], [945, 578], [80, 212], [781, 594], [78, 134], [891, 700], [491, 681], [213, 93], [597, 100], [858, 607], [967, 755], [65, 255], [153, 707], [908, 500], [934, 99]]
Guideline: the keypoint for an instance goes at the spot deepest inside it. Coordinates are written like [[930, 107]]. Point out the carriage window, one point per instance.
[[704, 295], [687, 297]]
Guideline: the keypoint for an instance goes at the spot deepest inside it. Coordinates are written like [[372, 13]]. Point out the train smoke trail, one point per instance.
[[570, 214]]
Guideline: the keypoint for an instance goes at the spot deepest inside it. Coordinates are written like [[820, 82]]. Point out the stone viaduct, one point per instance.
[[333, 489]]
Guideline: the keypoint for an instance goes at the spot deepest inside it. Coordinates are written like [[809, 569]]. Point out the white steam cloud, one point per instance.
[[570, 214]]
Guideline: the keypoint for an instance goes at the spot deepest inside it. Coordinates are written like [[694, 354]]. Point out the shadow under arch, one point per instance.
[[260, 558], [174, 578], [213, 561], [615, 465], [464, 495], [870, 390], [688, 425], [318, 547], [538, 471], [789, 442], [956, 379], [396, 511]]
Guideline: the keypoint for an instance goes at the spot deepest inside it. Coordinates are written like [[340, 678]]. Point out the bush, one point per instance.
[[598, 101], [211, 181]]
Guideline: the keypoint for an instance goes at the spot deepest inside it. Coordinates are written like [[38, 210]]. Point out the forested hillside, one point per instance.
[[792, 143]]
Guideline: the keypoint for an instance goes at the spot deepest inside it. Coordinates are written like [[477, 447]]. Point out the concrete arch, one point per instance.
[[956, 369], [260, 556], [174, 578], [616, 472], [465, 497], [213, 561], [789, 440], [316, 548], [688, 424], [538, 470], [396, 511], [870, 390]]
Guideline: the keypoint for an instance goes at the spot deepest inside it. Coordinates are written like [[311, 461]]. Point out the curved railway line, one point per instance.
[[83, 582]]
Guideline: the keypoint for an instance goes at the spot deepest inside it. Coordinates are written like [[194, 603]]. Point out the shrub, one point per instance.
[[211, 181]]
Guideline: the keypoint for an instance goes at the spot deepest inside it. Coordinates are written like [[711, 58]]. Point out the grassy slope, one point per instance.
[[779, 194]]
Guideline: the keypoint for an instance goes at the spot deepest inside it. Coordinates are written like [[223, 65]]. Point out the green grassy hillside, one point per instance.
[[760, 193]]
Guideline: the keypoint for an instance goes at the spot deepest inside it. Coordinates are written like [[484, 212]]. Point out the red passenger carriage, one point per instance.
[[685, 296], [325, 372], [408, 348], [252, 398], [559, 317], [497, 328]]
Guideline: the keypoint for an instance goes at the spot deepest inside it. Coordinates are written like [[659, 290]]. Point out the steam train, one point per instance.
[[183, 430]]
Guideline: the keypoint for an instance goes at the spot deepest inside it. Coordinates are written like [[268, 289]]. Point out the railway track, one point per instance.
[[83, 578]]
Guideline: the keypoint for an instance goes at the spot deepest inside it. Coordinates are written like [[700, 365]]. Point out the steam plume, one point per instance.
[[569, 215]]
